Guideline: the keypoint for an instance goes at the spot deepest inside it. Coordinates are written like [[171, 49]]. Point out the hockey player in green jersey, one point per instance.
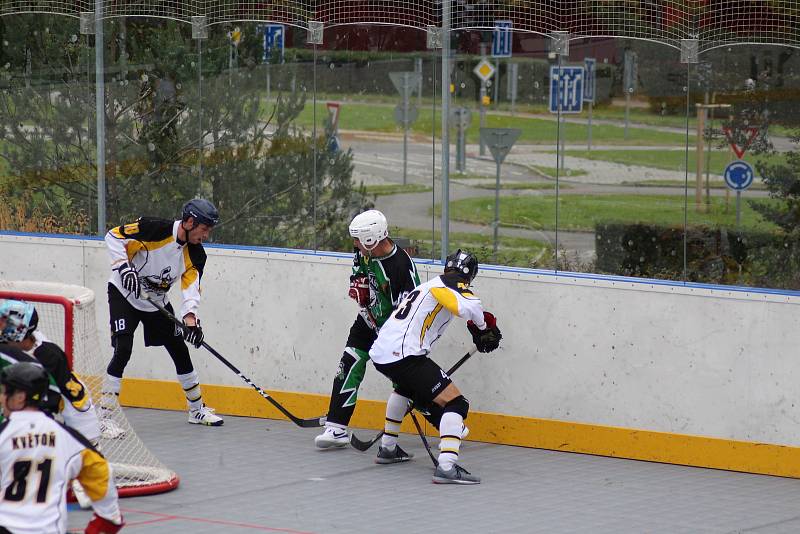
[[382, 275]]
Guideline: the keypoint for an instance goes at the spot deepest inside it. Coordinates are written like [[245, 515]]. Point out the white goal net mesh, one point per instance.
[[713, 23], [67, 318]]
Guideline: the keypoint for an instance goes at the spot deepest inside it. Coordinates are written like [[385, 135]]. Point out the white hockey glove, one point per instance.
[[130, 280]]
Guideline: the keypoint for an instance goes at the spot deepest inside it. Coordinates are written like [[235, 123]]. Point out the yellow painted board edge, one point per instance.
[[616, 442]]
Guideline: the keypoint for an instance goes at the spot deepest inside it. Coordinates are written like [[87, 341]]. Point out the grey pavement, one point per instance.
[[379, 161], [265, 475]]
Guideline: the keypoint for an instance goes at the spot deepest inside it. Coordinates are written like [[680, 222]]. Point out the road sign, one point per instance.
[[589, 79], [333, 111], [405, 82], [460, 117], [566, 86], [631, 72], [403, 118], [500, 141], [484, 70], [273, 40], [752, 133], [502, 38], [739, 175]]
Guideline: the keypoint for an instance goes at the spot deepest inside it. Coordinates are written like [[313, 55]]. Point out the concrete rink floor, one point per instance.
[[259, 475]]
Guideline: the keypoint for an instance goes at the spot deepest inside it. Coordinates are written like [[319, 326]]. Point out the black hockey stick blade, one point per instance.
[[314, 422], [363, 446]]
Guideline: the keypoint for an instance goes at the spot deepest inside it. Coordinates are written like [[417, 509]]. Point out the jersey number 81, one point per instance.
[[15, 492]]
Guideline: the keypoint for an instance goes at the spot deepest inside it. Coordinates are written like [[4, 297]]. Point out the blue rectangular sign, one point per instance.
[[589, 79], [273, 39], [502, 38], [566, 87]]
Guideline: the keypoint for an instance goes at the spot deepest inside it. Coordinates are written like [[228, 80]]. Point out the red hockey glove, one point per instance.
[[359, 289], [101, 525]]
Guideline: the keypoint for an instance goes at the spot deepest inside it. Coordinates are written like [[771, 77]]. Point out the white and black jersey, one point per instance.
[[78, 411], [151, 246], [38, 458], [422, 316]]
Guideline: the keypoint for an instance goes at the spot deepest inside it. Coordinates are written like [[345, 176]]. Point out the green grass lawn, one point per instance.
[[583, 212], [522, 185], [672, 160], [511, 250], [636, 115], [716, 183], [380, 118], [551, 171], [395, 189]]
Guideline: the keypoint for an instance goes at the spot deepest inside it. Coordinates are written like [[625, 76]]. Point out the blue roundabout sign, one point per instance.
[[739, 175]]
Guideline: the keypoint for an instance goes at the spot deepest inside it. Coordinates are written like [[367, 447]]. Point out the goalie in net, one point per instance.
[[66, 315]]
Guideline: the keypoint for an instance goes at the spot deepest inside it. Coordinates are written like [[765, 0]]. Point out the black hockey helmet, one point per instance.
[[463, 263], [28, 377], [202, 211]]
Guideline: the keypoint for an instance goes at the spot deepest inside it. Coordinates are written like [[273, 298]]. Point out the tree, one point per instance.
[[169, 136]]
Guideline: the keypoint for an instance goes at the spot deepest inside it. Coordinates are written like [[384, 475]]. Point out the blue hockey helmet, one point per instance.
[[202, 211]]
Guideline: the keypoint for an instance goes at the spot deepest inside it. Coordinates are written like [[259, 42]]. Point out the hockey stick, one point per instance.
[[424, 439], [305, 423], [364, 445]]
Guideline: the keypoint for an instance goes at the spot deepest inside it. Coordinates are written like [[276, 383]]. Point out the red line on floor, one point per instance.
[[215, 521], [157, 520]]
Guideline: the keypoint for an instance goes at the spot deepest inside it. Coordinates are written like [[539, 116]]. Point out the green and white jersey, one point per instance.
[[391, 278]]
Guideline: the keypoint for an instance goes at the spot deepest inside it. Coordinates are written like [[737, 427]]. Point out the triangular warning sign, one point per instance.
[[752, 133]]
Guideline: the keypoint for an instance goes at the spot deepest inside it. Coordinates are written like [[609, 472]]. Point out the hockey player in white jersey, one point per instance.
[[401, 353], [150, 255], [22, 332], [39, 456]]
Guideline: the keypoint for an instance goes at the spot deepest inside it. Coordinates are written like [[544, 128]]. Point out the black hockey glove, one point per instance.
[[193, 334], [486, 340], [130, 280]]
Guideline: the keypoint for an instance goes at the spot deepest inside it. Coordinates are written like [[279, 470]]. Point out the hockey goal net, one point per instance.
[[67, 318]]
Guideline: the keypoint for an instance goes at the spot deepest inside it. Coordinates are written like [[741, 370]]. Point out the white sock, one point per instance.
[[450, 439], [396, 408], [191, 388], [110, 392]]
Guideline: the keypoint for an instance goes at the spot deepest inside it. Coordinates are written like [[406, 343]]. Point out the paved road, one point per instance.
[[379, 160]]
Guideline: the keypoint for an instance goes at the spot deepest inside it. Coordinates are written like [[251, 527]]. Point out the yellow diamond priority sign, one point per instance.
[[484, 70]]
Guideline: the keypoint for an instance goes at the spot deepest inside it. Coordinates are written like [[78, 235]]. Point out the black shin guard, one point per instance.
[[179, 353], [123, 346], [433, 414], [459, 405]]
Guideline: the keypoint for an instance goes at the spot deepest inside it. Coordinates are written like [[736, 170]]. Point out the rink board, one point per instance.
[[611, 366]]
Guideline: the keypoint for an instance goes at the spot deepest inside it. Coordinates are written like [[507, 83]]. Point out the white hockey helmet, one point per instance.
[[370, 228]]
